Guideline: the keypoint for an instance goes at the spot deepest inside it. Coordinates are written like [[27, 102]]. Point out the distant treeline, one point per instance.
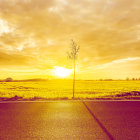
[[132, 79], [127, 79], [26, 80], [39, 80]]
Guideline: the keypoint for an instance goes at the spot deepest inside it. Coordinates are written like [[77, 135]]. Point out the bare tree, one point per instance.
[[73, 54]]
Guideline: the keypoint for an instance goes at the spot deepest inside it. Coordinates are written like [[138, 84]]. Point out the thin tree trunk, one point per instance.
[[74, 79]]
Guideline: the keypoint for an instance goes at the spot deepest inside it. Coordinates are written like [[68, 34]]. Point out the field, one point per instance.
[[63, 89]]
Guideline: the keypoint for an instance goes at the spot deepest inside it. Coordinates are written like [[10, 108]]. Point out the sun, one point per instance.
[[62, 72]]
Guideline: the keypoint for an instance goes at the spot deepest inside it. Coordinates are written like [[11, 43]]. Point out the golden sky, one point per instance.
[[35, 36]]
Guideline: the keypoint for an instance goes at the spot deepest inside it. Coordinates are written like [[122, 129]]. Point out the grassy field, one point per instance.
[[63, 89]]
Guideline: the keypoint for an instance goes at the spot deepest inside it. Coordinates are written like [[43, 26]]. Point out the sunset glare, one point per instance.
[[62, 72]]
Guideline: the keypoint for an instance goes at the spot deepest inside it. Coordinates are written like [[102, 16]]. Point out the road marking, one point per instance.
[[100, 124]]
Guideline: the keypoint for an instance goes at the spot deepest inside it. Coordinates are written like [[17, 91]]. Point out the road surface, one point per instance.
[[95, 120]]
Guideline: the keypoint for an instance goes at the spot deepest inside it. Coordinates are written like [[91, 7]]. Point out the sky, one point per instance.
[[35, 36]]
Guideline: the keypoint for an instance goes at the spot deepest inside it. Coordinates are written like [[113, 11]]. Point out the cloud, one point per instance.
[[38, 32], [5, 28], [13, 59], [125, 60]]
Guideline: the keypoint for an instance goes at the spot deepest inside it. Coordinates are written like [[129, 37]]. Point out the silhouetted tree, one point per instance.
[[8, 79], [73, 54], [127, 79], [133, 79]]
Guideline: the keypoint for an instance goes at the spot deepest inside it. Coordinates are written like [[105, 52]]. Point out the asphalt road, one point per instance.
[[103, 120]]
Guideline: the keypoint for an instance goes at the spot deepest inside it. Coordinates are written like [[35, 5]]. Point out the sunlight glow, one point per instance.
[[4, 27], [62, 72]]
